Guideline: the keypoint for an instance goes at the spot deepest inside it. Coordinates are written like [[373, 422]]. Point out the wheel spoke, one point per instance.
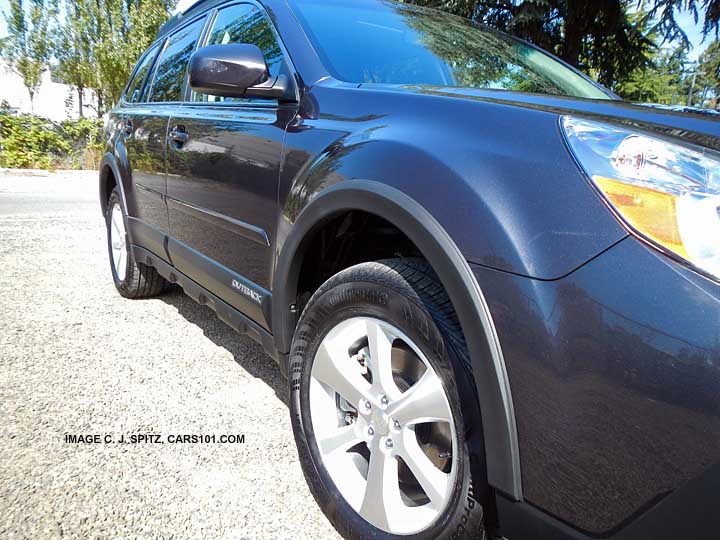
[[116, 223], [424, 402], [336, 370], [382, 502], [120, 263], [339, 441], [384, 421], [380, 345], [433, 481]]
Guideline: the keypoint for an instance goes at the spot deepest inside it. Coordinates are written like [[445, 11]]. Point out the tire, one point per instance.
[[404, 299], [132, 279]]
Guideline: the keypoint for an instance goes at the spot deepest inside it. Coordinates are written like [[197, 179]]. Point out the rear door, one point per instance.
[[147, 125], [144, 135], [223, 176]]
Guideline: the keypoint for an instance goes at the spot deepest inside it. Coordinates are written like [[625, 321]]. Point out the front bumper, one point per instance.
[[615, 379]]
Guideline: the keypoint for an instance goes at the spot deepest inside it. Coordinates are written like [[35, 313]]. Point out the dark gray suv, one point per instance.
[[494, 287]]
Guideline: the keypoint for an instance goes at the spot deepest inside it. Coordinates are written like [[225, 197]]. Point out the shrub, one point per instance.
[[86, 138], [28, 141]]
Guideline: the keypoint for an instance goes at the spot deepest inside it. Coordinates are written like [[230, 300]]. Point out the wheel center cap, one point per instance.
[[380, 422]]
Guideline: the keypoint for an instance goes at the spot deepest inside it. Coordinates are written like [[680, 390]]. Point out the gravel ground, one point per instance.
[[76, 358]]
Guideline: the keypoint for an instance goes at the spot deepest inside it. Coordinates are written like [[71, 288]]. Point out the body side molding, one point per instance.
[[234, 318], [491, 378], [147, 236], [235, 226]]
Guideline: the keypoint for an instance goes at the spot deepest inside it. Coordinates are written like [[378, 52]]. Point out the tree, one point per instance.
[[125, 28], [708, 71], [664, 12], [664, 81], [28, 44], [100, 41], [75, 47]]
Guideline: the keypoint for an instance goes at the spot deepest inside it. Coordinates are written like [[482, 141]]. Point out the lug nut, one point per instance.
[[396, 425], [362, 359], [368, 405], [370, 431], [388, 443], [384, 400]]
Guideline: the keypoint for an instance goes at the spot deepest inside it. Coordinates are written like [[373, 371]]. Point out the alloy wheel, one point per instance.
[[118, 242], [383, 425]]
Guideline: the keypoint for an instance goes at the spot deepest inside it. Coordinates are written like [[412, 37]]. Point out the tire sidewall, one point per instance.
[[462, 518], [121, 285]]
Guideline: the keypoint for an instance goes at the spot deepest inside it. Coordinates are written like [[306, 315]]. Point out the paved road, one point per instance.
[[75, 358]]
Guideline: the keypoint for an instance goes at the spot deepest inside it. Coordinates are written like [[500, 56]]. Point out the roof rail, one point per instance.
[[182, 8]]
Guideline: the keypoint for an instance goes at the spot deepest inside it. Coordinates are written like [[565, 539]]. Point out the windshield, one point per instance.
[[375, 41]]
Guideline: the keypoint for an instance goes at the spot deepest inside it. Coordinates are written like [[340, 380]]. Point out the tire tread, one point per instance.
[[141, 281], [418, 284]]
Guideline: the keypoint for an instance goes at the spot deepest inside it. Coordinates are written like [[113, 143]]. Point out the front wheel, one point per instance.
[[384, 412]]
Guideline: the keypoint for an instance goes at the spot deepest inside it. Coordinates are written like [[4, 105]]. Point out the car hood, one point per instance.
[[684, 123]]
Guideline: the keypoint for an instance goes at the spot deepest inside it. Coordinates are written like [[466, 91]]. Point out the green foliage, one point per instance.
[[709, 75], [28, 44], [28, 141], [664, 81], [85, 136], [125, 29], [74, 51], [663, 13], [96, 43], [99, 42]]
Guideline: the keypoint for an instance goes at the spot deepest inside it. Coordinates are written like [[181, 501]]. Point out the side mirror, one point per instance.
[[235, 70]]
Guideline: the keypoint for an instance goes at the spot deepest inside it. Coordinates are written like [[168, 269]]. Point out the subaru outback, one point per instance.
[[492, 285]]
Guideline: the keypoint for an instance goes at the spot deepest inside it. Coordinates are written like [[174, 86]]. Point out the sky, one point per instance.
[[693, 31], [3, 9], [686, 20]]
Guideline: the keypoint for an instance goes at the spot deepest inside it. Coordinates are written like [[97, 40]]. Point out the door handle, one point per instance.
[[178, 135]]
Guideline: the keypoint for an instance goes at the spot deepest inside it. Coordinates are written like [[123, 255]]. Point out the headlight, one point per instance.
[[668, 193]]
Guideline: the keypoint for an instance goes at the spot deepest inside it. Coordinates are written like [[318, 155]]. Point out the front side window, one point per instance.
[[135, 87], [377, 41], [244, 23], [169, 78]]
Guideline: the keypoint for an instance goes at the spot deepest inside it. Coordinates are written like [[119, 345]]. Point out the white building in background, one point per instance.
[[53, 100]]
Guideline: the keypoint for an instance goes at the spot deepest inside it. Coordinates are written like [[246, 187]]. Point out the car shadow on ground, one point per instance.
[[247, 353]]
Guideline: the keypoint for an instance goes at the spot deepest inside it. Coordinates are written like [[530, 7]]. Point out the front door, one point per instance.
[[146, 124], [223, 169]]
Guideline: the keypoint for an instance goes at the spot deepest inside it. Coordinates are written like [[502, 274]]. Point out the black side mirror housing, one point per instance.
[[236, 70]]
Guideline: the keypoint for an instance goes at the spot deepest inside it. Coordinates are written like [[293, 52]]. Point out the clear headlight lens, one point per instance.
[[667, 192]]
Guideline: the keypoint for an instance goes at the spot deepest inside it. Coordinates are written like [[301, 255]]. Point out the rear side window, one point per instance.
[[169, 78], [244, 23], [135, 87]]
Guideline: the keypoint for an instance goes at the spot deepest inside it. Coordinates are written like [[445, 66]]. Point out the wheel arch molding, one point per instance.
[[115, 163], [443, 255]]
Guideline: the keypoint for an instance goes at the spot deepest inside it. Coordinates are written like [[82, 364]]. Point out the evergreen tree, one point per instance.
[[709, 75]]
